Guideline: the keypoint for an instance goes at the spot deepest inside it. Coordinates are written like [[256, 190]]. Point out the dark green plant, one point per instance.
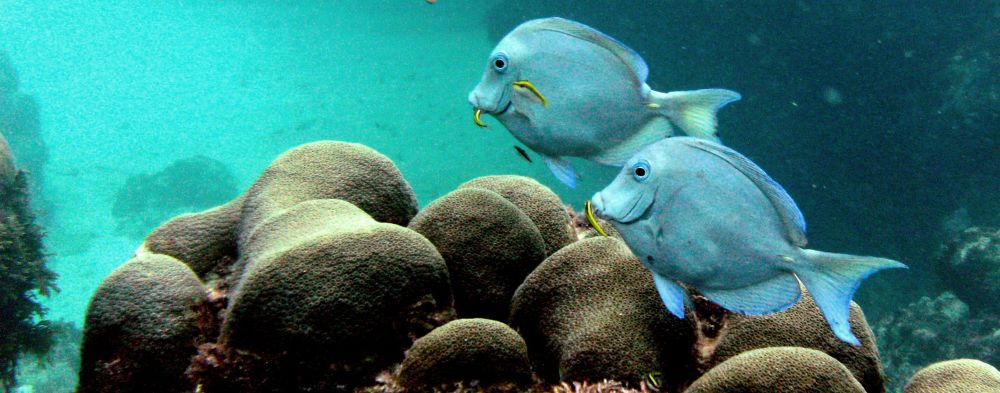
[[23, 278]]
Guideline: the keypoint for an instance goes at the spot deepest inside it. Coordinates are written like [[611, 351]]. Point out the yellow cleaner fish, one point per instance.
[[565, 89], [699, 213]]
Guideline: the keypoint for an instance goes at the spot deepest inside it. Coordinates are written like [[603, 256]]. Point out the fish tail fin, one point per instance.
[[694, 111], [832, 279], [563, 170]]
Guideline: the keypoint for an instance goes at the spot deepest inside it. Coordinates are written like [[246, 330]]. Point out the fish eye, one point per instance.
[[640, 171], [500, 62]]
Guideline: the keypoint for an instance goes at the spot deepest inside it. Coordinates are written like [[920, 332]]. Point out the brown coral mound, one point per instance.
[[330, 170], [142, 328], [205, 241], [591, 312], [466, 350], [543, 206], [955, 376], [802, 325], [331, 297], [778, 370], [489, 244]]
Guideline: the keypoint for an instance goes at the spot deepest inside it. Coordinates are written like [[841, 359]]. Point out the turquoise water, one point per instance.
[[879, 119], [128, 89]]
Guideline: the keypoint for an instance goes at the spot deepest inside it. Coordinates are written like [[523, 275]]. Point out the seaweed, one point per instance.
[[24, 277]]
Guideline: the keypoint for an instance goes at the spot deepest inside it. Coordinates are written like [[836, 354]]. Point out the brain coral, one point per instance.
[[543, 206], [142, 328], [955, 376], [778, 370], [970, 266], [802, 325], [489, 245], [205, 241], [321, 170], [590, 312], [466, 350], [330, 298]]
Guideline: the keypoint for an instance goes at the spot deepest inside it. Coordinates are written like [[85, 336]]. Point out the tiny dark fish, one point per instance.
[[522, 153]]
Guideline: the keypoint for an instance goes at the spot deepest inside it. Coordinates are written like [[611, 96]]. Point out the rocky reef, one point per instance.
[[326, 276]]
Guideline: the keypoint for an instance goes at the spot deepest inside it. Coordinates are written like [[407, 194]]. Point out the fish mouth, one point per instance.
[[478, 113], [639, 208]]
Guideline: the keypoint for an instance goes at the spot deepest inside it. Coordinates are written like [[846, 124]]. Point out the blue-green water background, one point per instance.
[[879, 118]]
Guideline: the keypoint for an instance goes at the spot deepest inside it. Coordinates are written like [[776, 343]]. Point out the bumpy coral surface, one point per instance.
[[322, 170], [329, 287], [970, 266], [479, 351], [956, 376], [142, 328], [543, 206], [489, 245], [778, 370], [802, 325], [206, 241], [591, 312]]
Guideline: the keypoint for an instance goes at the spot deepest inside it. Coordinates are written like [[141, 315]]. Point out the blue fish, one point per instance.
[[701, 214], [565, 89]]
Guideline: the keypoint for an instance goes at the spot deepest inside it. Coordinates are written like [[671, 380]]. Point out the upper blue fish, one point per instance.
[[700, 214], [565, 89]]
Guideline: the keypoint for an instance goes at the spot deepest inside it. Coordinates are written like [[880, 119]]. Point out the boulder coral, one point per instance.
[[591, 312], [778, 370], [955, 376], [489, 245], [330, 170], [142, 328], [543, 206], [479, 352], [802, 325], [969, 265], [206, 241], [331, 297]]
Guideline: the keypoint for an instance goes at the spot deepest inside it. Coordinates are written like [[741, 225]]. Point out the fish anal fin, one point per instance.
[[655, 129], [774, 295]]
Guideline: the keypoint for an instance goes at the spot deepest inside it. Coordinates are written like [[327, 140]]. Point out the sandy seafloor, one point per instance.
[[128, 87]]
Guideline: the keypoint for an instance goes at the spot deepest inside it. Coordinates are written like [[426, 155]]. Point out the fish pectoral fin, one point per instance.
[[831, 279], [693, 111], [656, 129], [563, 170], [774, 295], [672, 295], [526, 88]]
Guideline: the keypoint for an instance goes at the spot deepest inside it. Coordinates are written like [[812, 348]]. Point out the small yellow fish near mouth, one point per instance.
[[589, 207], [477, 117], [534, 90]]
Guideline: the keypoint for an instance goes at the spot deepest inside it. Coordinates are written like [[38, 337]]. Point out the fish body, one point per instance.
[[700, 214], [565, 89]]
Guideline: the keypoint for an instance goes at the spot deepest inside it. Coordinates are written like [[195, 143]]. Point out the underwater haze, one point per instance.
[[881, 119]]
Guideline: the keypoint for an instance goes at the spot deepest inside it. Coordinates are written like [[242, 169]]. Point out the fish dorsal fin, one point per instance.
[[789, 213], [589, 34]]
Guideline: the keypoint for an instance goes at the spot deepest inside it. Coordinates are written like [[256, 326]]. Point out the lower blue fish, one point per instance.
[[698, 213]]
